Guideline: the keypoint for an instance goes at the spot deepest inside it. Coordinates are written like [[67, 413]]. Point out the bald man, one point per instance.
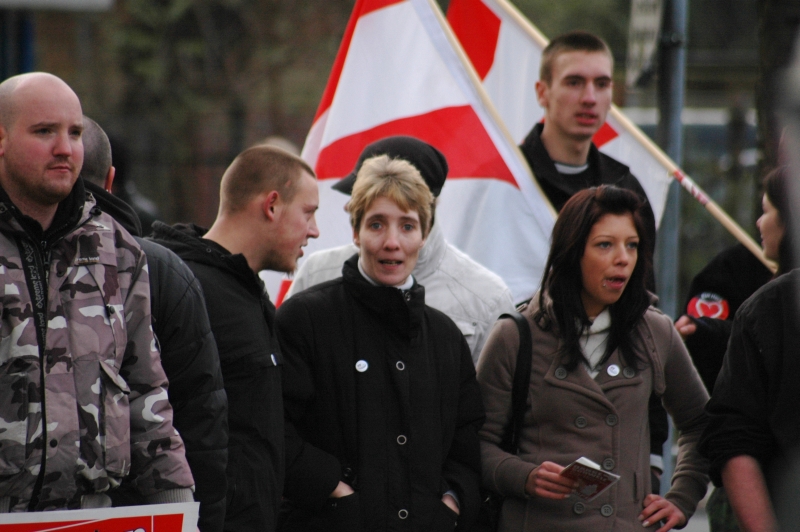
[[83, 400]]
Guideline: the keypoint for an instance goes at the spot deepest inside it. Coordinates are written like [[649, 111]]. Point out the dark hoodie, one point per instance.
[[191, 363], [242, 318]]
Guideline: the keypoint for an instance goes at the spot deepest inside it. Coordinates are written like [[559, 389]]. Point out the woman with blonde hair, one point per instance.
[[382, 406]]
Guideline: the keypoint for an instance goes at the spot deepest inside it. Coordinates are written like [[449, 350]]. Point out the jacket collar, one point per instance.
[[545, 169], [400, 310], [116, 208], [73, 211], [431, 254], [187, 241]]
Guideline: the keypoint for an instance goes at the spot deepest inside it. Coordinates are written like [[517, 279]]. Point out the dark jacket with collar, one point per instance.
[[190, 360], [242, 317], [380, 392], [605, 171], [715, 295], [753, 410]]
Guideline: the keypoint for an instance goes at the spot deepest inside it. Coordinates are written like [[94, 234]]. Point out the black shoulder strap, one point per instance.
[[522, 378]]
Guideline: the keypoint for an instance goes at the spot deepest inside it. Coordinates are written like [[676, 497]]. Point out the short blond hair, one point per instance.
[[259, 169], [395, 179]]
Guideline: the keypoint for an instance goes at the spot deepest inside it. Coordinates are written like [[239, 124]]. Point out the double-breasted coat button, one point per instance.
[[402, 514], [400, 366], [612, 420], [608, 464], [629, 372], [401, 440], [561, 373], [581, 422], [606, 510], [579, 508]]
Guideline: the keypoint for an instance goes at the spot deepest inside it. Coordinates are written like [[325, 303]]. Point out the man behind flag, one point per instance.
[[575, 89]]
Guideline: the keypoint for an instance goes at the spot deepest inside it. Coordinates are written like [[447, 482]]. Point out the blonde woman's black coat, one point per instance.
[[380, 393]]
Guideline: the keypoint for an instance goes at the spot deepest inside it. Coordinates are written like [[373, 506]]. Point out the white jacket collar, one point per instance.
[[431, 254]]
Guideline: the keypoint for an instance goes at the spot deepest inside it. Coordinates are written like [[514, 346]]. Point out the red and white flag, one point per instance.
[[506, 50], [400, 71]]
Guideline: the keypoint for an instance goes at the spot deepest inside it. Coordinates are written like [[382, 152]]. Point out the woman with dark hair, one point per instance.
[[776, 204], [598, 352]]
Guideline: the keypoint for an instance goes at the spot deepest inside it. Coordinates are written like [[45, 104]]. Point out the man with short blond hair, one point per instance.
[[83, 401], [268, 199]]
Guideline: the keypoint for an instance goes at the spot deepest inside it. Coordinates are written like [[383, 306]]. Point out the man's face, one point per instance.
[[41, 151], [294, 225], [579, 94]]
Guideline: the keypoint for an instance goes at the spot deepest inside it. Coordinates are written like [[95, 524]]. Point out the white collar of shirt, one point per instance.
[[594, 341], [570, 169]]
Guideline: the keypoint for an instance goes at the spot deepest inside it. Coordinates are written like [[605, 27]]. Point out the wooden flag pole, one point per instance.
[[485, 99], [672, 169]]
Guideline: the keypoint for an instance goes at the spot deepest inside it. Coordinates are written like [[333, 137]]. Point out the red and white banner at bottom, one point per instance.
[[150, 518]]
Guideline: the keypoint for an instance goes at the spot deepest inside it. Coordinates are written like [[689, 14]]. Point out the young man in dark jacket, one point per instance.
[[188, 351], [268, 198]]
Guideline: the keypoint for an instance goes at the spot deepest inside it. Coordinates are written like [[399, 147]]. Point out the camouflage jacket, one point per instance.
[[98, 407]]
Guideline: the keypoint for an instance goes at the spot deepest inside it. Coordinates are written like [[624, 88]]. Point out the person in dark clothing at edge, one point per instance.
[[268, 199], [382, 405], [721, 288], [188, 351], [575, 89]]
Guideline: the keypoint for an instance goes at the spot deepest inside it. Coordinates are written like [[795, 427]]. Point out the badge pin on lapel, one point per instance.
[[362, 366], [613, 370]]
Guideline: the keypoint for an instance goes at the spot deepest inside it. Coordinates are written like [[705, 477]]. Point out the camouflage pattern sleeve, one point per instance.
[[158, 462]]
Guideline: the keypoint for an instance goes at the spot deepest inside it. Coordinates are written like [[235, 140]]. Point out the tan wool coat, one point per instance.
[[604, 419]]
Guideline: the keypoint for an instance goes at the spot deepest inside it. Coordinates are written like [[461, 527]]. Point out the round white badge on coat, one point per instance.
[[613, 370], [361, 366]]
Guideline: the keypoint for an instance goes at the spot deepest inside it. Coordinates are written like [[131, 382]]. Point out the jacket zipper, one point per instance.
[[42, 261]]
